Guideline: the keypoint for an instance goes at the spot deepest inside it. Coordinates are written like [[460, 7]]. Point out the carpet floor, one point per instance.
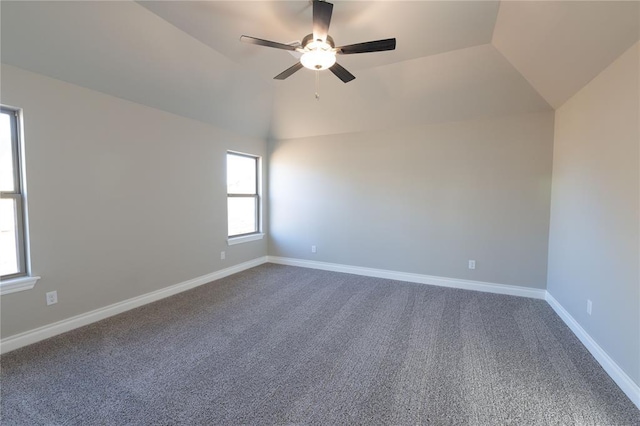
[[285, 345]]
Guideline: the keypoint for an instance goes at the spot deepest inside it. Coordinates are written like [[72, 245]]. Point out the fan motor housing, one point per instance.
[[309, 38]]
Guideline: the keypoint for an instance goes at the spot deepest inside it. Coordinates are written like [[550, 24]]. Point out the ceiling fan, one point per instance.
[[318, 49]]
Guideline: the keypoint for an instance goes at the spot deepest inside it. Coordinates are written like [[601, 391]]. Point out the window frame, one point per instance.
[[257, 234], [21, 280], [17, 195]]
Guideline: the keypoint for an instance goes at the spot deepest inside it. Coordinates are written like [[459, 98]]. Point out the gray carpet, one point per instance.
[[281, 345]]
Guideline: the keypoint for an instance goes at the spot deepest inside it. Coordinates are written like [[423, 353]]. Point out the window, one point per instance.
[[243, 196], [13, 242]]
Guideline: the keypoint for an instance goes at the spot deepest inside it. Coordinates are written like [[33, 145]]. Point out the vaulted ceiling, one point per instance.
[[455, 60]]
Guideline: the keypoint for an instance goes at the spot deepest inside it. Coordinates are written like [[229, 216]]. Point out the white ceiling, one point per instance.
[[422, 28], [454, 60]]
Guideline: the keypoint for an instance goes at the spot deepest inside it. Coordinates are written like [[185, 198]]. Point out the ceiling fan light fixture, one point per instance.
[[318, 56], [317, 51]]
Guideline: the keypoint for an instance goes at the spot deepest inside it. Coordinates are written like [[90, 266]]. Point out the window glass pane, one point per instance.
[[8, 238], [6, 154], [241, 174], [242, 215]]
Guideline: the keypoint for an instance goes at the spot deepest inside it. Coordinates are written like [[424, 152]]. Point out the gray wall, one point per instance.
[[422, 199], [124, 199], [594, 237]]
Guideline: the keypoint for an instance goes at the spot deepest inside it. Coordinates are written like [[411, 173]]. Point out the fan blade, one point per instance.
[[261, 42], [342, 73], [321, 19], [287, 73], [369, 46]]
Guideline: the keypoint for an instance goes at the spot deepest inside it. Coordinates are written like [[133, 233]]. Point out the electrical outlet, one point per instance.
[[313, 249], [223, 255], [589, 306], [472, 264], [52, 298]]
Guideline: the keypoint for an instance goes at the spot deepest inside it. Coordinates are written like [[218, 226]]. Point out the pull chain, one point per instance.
[[317, 85]]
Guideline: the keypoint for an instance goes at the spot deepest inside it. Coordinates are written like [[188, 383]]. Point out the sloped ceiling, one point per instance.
[[560, 46], [455, 60], [122, 49], [465, 84]]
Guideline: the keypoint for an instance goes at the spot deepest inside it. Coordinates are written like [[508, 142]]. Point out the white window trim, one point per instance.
[[239, 239], [28, 281], [244, 238], [15, 285]]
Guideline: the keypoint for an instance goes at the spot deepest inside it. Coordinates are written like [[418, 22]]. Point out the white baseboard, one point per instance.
[[32, 336], [621, 378], [414, 278]]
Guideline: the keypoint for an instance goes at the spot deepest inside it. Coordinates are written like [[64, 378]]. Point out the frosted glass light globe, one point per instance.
[[319, 56]]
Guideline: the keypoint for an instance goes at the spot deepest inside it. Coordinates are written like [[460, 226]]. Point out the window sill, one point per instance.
[[15, 285], [244, 239]]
